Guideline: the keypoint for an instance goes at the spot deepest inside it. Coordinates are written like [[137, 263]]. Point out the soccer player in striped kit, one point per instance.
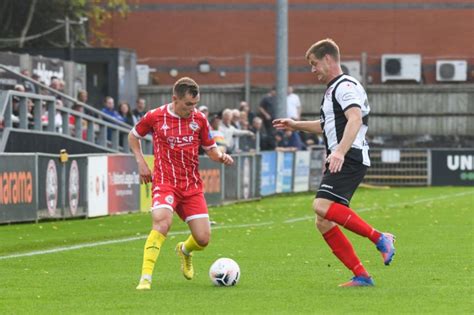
[[178, 130], [343, 123]]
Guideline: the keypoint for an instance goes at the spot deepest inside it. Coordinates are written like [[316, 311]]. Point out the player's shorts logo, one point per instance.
[[194, 126], [169, 199]]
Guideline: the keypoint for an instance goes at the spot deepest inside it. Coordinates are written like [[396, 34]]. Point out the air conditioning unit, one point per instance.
[[401, 67], [451, 70], [352, 68]]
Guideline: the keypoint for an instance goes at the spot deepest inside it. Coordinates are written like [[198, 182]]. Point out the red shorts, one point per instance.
[[188, 204]]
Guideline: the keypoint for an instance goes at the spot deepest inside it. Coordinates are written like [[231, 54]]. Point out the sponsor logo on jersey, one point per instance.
[[194, 126], [180, 141], [169, 199]]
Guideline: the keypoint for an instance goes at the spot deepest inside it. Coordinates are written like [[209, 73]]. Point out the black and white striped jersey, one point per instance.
[[345, 92]]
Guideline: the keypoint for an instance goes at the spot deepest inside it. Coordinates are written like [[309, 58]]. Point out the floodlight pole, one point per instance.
[[281, 57]]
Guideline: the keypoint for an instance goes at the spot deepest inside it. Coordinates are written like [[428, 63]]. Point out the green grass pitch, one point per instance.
[[286, 266]]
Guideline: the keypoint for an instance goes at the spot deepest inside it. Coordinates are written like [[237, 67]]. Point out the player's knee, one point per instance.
[[321, 206], [323, 225], [203, 238]]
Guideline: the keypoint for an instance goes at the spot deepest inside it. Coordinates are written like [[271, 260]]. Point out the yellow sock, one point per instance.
[[152, 250], [191, 245]]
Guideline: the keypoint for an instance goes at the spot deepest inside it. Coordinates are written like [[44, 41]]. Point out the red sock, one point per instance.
[[342, 248], [346, 217]]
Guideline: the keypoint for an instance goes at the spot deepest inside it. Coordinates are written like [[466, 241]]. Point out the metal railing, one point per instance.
[[97, 125]]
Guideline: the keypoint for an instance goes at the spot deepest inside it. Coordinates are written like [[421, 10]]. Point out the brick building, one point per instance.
[[170, 34]]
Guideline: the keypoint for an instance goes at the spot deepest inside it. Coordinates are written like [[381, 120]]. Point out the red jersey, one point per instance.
[[176, 144]]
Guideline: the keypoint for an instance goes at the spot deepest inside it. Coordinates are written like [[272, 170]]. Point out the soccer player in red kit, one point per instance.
[[343, 123], [178, 131]]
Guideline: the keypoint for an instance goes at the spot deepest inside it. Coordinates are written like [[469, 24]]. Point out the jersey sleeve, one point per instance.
[[144, 125], [348, 96], [207, 141]]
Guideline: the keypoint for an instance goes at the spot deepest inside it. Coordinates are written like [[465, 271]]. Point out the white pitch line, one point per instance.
[[393, 205], [135, 238], [123, 240]]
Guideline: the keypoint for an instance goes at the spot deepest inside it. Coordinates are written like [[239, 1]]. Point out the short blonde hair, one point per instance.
[[322, 48]]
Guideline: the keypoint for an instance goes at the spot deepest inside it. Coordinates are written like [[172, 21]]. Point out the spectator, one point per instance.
[[55, 84], [29, 86], [293, 105], [267, 141], [83, 96], [230, 131], [217, 134], [203, 109], [289, 141], [109, 110], [72, 120], [267, 109], [126, 113], [244, 107], [113, 115], [139, 111], [236, 118]]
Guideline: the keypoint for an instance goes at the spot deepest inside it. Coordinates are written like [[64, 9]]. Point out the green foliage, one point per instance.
[[286, 266], [14, 13]]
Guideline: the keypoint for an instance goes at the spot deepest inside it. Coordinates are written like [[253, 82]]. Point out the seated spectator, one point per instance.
[[289, 141], [230, 131], [139, 111], [83, 96], [126, 113]]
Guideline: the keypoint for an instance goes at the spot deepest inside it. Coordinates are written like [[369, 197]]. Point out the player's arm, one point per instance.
[[354, 122], [313, 126], [136, 148], [218, 156]]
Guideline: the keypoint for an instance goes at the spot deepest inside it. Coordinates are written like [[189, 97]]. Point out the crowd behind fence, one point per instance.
[[37, 186]]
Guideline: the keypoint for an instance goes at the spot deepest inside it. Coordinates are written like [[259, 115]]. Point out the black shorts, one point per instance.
[[340, 187]]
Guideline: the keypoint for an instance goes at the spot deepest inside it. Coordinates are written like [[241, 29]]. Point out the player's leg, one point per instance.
[[342, 249], [162, 218], [193, 210], [339, 188]]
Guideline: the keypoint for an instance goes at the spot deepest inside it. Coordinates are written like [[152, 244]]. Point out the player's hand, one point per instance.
[[226, 159], [145, 173], [335, 160], [284, 123]]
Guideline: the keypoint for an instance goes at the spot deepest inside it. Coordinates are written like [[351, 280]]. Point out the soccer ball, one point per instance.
[[224, 272]]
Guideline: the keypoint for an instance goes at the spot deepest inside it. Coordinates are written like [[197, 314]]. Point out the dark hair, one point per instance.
[[185, 85], [322, 48]]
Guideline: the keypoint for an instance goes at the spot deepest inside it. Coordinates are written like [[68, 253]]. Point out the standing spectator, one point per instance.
[[139, 111], [293, 105], [230, 131], [29, 86], [217, 135], [267, 141], [83, 96], [110, 111], [267, 109], [126, 113], [244, 107], [203, 109]]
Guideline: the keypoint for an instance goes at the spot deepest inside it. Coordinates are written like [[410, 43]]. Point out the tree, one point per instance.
[[21, 20]]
